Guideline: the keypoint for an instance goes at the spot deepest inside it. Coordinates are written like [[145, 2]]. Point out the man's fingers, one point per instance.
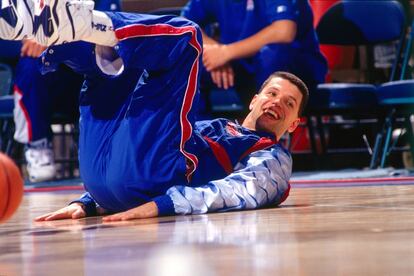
[[73, 211], [230, 74], [115, 217], [30, 51], [121, 216], [58, 215], [23, 50], [215, 75], [42, 217], [225, 79]]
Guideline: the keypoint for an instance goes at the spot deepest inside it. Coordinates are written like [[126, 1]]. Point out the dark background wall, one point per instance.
[[148, 5]]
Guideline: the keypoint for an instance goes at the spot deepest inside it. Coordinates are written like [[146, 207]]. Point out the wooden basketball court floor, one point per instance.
[[322, 229]]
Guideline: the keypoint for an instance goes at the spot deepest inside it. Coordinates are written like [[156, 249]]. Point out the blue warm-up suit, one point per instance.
[[138, 138]]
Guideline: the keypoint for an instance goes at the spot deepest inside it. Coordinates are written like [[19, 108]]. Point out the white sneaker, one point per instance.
[[40, 161], [61, 21], [16, 19]]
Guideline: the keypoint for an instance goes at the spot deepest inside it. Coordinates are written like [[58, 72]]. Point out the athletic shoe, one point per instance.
[[61, 21], [16, 19], [40, 161]]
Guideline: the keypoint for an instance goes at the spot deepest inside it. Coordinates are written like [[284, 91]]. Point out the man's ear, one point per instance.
[[252, 102], [294, 125]]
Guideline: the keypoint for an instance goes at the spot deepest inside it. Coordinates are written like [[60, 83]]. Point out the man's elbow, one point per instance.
[[284, 31]]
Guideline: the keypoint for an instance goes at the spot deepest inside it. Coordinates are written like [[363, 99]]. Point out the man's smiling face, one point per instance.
[[276, 107]]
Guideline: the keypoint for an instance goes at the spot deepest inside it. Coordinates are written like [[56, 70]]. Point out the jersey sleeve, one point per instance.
[[262, 179], [280, 10], [198, 11]]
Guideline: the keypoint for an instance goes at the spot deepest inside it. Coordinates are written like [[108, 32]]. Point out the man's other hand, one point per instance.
[[147, 210], [223, 76], [31, 48]]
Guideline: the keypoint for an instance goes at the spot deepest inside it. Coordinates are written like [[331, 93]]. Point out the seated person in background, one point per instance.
[[141, 153], [39, 96], [256, 38]]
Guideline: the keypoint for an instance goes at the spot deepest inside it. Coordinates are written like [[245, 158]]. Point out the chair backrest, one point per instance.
[[6, 77], [365, 23], [356, 22], [407, 54]]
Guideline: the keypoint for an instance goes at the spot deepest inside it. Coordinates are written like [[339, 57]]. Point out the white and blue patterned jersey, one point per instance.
[[261, 179]]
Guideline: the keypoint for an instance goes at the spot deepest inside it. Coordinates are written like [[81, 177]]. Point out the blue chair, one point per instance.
[[357, 23], [397, 97], [222, 100]]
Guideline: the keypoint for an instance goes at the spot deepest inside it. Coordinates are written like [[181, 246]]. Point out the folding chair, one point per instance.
[[397, 97], [357, 23]]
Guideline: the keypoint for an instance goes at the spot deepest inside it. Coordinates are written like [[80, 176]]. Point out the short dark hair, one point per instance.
[[295, 81]]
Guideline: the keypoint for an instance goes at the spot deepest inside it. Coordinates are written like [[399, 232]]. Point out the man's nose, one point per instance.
[[276, 100]]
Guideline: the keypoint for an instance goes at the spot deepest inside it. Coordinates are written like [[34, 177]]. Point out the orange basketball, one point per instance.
[[11, 187]]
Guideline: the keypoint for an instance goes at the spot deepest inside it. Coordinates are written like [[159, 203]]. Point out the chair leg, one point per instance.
[[323, 156], [312, 140], [388, 135], [375, 151], [410, 134], [381, 129]]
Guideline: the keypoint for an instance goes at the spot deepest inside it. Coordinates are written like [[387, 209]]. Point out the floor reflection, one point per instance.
[[178, 243], [351, 229]]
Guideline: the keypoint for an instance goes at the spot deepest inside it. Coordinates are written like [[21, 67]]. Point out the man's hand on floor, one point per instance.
[[147, 210], [73, 211]]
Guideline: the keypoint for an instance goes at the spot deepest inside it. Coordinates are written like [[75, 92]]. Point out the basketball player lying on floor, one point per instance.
[[141, 154]]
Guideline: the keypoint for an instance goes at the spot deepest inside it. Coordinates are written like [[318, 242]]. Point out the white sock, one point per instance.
[[102, 30]]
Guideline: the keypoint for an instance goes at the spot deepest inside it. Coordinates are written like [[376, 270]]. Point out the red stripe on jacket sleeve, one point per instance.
[[263, 143], [285, 194], [220, 154]]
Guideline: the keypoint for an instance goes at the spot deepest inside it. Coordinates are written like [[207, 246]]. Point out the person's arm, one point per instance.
[[262, 180], [280, 31]]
